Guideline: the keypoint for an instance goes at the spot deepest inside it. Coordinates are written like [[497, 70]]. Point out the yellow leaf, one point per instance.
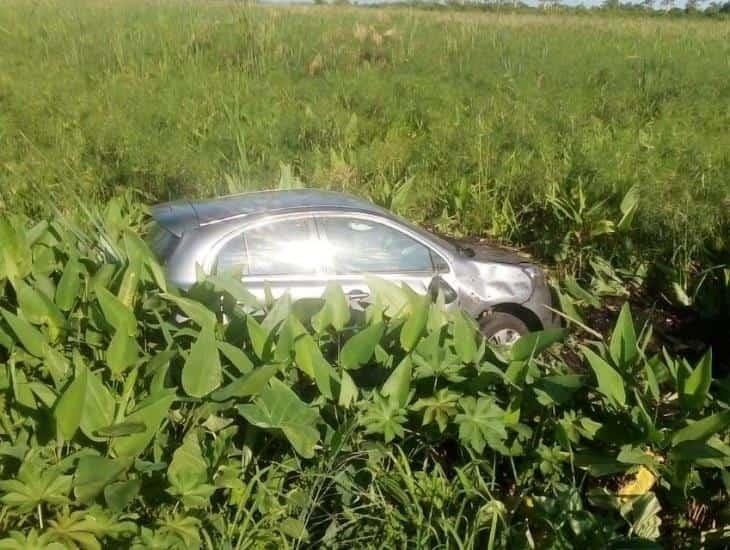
[[641, 484]]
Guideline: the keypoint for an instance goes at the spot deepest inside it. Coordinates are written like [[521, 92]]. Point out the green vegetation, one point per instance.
[[132, 415], [495, 118], [135, 415]]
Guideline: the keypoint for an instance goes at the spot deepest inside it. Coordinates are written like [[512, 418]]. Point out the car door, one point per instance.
[[359, 245], [281, 253]]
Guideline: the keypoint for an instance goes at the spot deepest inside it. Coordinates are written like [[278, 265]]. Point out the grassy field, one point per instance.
[[497, 119]]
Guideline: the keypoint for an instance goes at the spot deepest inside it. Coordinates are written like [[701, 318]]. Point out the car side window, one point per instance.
[[439, 263], [283, 247], [363, 246], [232, 258]]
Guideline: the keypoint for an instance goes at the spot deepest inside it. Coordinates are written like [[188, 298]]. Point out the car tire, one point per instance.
[[502, 329]]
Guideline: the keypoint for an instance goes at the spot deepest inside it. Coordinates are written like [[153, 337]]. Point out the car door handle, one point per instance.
[[357, 295]]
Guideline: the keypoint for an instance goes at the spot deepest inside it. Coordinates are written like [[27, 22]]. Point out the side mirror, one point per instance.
[[439, 284]]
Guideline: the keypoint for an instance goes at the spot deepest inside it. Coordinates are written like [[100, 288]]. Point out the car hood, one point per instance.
[[490, 253]]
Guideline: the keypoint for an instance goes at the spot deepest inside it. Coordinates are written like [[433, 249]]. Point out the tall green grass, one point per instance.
[[492, 116]]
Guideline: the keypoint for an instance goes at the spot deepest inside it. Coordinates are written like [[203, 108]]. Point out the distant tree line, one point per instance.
[[697, 7], [690, 6]]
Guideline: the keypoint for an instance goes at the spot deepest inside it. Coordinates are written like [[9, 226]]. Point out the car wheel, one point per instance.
[[502, 329]]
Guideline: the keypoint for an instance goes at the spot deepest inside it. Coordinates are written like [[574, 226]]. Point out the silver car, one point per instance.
[[297, 241]]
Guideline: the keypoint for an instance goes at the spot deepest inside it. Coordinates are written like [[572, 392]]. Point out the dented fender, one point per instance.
[[487, 284]]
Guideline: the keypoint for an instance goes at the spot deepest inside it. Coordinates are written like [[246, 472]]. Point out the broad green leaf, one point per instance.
[[636, 455], [360, 347], [46, 286], [599, 464], [15, 261], [398, 384], [70, 405], [162, 366], [464, 338], [93, 473], [98, 407], [557, 389], [201, 373], [122, 352], [288, 331], [278, 313], [348, 391], [127, 393], [258, 336], [233, 286], [623, 339], [533, 343], [249, 384], [709, 454], [294, 528], [159, 361], [37, 308], [644, 516], [21, 388], [44, 393], [6, 341], [140, 255], [150, 413], [695, 389], [310, 360], [437, 314], [481, 423], [579, 293], [516, 372], [279, 408], [412, 329], [30, 337], [69, 286], [120, 494], [188, 473], [393, 298], [335, 312], [102, 277], [57, 365], [610, 382], [236, 356], [116, 313], [196, 311], [702, 430]]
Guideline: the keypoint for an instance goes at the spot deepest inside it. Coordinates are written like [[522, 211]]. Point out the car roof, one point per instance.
[[181, 215]]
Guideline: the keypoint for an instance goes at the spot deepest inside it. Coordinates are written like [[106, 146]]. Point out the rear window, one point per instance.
[[162, 242]]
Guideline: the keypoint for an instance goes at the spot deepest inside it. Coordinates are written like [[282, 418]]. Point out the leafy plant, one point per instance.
[[136, 414]]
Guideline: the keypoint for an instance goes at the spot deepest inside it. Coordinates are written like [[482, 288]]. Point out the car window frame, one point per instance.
[[392, 224], [212, 256]]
